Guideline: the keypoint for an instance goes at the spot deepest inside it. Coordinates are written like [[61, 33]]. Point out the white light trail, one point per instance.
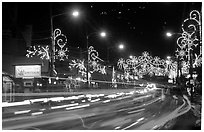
[[6, 104], [38, 100], [42, 109], [21, 112], [77, 107], [56, 98], [94, 100], [106, 101], [83, 101], [134, 123], [62, 106], [36, 113], [136, 111]]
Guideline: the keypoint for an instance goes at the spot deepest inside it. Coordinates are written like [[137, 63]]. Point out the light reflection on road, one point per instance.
[[144, 109]]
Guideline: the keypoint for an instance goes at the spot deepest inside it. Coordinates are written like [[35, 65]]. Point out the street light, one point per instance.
[[130, 56], [103, 35], [169, 34], [168, 57], [119, 46], [75, 13]]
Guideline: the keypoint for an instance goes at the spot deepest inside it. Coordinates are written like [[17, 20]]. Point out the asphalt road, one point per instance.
[[121, 111]]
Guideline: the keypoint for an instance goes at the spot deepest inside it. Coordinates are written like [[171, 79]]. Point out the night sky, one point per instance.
[[141, 26]]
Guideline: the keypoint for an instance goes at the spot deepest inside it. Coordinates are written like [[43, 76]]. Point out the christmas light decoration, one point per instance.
[[190, 39], [38, 50], [198, 60], [142, 65], [79, 64], [60, 41], [94, 61]]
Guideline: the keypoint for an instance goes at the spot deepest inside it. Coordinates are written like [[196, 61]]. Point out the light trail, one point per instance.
[[6, 104], [36, 113], [63, 106], [106, 101], [95, 100], [134, 123], [21, 112], [77, 107], [136, 111]]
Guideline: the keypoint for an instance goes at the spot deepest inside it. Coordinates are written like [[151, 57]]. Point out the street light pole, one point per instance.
[[75, 13], [191, 75], [52, 44], [87, 71], [102, 34]]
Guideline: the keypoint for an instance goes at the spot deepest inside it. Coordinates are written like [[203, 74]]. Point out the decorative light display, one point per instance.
[[79, 64], [60, 41], [38, 50], [94, 65], [142, 65], [198, 60], [171, 68], [94, 61], [189, 43]]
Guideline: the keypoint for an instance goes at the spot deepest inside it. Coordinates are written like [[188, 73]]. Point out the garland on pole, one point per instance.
[[60, 51], [94, 61], [60, 41], [190, 41]]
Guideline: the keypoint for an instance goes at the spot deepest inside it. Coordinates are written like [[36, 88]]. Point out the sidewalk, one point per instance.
[[186, 122]]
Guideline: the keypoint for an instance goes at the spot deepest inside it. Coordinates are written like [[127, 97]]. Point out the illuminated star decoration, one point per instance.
[[60, 41], [79, 64], [38, 50]]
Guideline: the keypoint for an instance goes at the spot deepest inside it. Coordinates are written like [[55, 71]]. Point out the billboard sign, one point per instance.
[[29, 71]]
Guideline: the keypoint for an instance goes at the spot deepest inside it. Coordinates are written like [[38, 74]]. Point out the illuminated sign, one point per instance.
[[28, 71]]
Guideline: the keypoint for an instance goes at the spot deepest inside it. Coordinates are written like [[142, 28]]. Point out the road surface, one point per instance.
[[143, 110]]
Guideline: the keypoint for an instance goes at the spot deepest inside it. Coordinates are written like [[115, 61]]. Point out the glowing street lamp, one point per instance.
[[103, 34], [168, 57], [169, 34], [75, 13], [121, 46]]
